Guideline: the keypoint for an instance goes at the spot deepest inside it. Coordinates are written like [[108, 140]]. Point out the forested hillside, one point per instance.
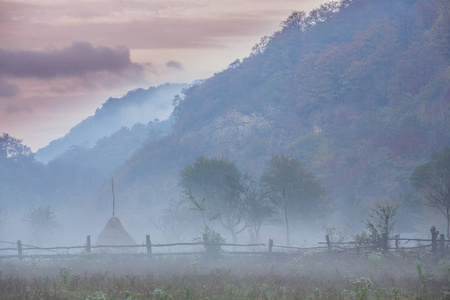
[[357, 90]]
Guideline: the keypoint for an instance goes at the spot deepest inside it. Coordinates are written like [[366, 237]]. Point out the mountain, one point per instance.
[[358, 90], [137, 106]]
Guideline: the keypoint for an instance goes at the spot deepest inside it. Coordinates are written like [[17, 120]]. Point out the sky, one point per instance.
[[60, 60]]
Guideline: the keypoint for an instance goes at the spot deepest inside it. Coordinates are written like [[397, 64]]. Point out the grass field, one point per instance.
[[306, 276]]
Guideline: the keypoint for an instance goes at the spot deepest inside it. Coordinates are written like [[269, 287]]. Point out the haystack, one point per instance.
[[114, 234]]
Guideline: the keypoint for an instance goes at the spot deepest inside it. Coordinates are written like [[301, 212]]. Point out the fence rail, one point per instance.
[[438, 247], [382, 242]]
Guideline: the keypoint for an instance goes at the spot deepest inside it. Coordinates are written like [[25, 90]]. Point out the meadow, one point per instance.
[[343, 275]]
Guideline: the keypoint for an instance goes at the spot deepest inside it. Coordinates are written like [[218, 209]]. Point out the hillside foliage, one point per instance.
[[357, 90]]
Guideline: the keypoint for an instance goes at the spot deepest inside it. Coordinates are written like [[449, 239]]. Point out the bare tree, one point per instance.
[[174, 222], [257, 206], [380, 224], [42, 224]]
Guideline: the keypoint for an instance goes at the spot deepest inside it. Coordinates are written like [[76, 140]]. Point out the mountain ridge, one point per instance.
[[136, 106]]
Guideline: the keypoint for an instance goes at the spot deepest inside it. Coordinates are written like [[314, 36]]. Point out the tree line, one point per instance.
[[288, 191], [285, 192], [238, 201]]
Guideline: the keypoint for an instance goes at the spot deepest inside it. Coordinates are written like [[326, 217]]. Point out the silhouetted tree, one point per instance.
[[258, 208], [380, 223], [42, 224], [12, 148], [218, 182], [174, 222], [291, 186], [433, 180]]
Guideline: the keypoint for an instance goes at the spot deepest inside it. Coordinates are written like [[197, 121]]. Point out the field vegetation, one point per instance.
[[339, 275]]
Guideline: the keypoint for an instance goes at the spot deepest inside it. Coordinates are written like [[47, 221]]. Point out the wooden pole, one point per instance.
[[328, 242], [19, 249], [114, 198], [397, 242], [270, 245], [149, 244], [88, 244], [206, 243], [434, 235], [442, 244], [385, 245]]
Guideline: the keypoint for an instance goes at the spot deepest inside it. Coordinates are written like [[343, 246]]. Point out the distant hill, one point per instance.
[[358, 90], [110, 153], [137, 106]]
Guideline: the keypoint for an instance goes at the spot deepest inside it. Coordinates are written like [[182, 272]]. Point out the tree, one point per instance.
[[257, 206], [174, 221], [260, 47], [218, 182], [12, 148], [210, 238], [433, 180], [20, 175], [380, 224], [42, 224], [291, 186]]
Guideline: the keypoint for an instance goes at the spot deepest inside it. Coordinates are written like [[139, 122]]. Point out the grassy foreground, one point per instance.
[[307, 276]]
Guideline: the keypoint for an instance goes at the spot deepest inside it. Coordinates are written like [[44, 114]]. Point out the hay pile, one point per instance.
[[114, 234]]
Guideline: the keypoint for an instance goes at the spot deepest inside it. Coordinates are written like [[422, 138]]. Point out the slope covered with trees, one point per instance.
[[356, 90]]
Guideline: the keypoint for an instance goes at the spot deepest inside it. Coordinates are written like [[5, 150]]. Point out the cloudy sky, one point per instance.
[[60, 60]]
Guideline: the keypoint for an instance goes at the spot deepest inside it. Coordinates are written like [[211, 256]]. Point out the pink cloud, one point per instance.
[[77, 60], [175, 65], [142, 24]]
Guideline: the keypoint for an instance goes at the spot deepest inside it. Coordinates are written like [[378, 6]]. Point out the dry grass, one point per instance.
[[313, 276]]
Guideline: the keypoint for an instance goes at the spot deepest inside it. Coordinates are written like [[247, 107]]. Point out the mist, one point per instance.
[[137, 106], [357, 151], [311, 161]]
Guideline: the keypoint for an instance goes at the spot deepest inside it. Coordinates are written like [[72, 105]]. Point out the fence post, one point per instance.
[[397, 242], [270, 245], [434, 235], [148, 243], [19, 248], [328, 242], [206, 243], [385, 242], [442, 244], [88, 244]]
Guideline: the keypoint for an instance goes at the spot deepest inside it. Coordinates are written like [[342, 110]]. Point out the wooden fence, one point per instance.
[[147, 248], [438, 247]]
